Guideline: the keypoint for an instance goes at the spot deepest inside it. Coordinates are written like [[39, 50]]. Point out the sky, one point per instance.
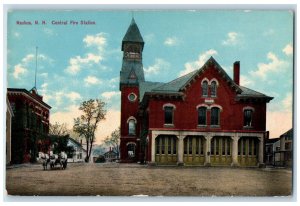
[[77, 62]]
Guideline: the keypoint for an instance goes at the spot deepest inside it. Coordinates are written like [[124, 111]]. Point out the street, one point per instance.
[[114, 179]]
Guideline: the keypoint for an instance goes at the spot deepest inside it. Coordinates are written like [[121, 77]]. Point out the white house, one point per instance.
[[79, 153]]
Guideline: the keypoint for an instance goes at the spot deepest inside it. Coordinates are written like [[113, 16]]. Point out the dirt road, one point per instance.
[[132, 179]]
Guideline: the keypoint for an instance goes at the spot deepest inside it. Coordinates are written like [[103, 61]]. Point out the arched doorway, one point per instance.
[[166, 148], [194, 150], [131, 150], [221, 150], [248, 151]]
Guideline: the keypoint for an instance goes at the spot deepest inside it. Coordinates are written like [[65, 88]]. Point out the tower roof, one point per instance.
[[133, 34]]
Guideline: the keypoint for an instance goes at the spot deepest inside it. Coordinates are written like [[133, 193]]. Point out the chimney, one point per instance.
[[236, 72]]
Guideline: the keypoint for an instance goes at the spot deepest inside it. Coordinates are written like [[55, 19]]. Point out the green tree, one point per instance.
[[58, 129], [114, 141], [86, 125], [60, 144]]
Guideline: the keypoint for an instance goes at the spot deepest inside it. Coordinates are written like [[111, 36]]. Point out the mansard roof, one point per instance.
[[133, 34], [179, 85]]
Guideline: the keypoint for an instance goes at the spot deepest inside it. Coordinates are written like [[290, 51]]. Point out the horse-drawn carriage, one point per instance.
[[53, 160]]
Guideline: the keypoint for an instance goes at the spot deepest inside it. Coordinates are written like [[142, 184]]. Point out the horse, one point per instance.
[[63, 158], [60, 159], [45, 159]]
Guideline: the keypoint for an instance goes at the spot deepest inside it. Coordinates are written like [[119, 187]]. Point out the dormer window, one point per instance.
[[204, 88]]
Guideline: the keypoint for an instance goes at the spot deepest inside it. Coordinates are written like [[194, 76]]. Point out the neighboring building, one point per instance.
[[283, 156], [202, 118], [9, 115], [79, 153], [30, 124], [110, 156], [272, 145]]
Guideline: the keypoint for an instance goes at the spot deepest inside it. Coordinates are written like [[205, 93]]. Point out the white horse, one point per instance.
[[58, 159], [53, 159], [45, 159], [63, 160]]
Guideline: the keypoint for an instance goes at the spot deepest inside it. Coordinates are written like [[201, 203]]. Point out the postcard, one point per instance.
[[184, 103]]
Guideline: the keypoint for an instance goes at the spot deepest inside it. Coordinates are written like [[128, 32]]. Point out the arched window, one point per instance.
[[202, 116], [215, 116], [213, 89], [131, 127], [204, 88]]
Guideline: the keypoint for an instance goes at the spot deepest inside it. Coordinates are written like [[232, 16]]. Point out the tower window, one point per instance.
[[132, 97], [131, 127]]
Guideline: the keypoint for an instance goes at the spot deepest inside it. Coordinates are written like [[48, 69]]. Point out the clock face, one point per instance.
[[132, 97]]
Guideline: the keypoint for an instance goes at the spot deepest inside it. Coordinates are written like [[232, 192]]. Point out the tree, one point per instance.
[[58, 129], [87, 123], [60, 144], [114, 141]]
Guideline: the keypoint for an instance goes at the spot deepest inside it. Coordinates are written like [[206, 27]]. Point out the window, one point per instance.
[[248, 117], [131, 126], [132, 97], [202, 116], [205, 88], [215, 116], [168, 115], [213, 89]]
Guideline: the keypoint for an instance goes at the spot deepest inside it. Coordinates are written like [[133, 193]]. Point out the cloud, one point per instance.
[[110, 95], [19, 70], [203, 57], [149, 37], [91, 80], [77, 62], [88, 59], [288, 49], [159, 64], [274, 65], [97, 40], [73, 96], [28, 58], [17, 35], [232, 39], [245, 81], [287, 102], [171, 41], [49, 32], [66, 116], [268, 32]]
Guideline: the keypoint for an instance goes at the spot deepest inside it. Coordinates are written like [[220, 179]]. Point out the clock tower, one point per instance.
[[131, 75]]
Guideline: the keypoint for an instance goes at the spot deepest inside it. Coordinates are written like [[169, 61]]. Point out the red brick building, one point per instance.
[[30, 124], [201, 118]]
